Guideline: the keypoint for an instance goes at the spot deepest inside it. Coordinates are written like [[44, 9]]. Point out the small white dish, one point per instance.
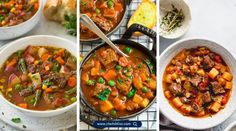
[[15, 31], [166, 5], [42, 40], [191, 122]]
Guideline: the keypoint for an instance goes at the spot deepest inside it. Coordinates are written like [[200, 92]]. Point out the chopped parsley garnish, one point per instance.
[[16, 120]]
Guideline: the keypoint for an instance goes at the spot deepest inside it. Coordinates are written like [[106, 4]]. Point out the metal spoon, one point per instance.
[[85, 20]]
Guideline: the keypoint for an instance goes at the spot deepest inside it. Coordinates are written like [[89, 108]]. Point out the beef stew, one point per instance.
[[197, 82], [14, 12], [115, 85], [39, 78], [105, 13]]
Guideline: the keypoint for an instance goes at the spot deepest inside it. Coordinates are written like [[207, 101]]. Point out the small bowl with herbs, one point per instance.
[[175, 18]]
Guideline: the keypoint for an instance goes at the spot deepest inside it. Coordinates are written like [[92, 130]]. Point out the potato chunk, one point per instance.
[[228, 85], [177, 102], [215, 107], [106, 106], [137, 99], [227, 76], [144, 103], [213, 73]]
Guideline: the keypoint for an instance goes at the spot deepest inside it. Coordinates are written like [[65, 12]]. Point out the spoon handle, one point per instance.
[[85, 20]]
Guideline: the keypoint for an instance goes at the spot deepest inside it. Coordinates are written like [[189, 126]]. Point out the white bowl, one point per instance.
[[165, 5], [41, 40], [173, 114], [15, 31]]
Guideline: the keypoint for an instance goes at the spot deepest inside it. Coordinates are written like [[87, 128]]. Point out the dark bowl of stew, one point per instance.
[[197, 84], [116, 87], [107, 14], [18, 17], [38, 75]]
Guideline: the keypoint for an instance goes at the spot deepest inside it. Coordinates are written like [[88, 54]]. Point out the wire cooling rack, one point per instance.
[[149, 117]]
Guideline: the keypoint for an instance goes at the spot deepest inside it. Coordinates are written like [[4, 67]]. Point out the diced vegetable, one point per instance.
[[228, 85], [37, 97], [111, 83], [73, 99], [168, 78], [60, 60], [186, 109], [227, 76], [144, 89], [118, 104], [97, 11], [213, 73], [113, 112], [137, 98], [215, 107], [72, 81], [90, 82], [23, 105], [152, 84], [106, 106], [131, 93], [118, 67], [110, 75], [71, 91], [201, 72], [94, 71], [144, 103], [13, 80], [137, 82], [22, 65], [110, 3], [127, 50], [49, 90], [18, 87], [36, 79], [167, 94], [42, 51], [56, 67], [101, 80], [176, 101]]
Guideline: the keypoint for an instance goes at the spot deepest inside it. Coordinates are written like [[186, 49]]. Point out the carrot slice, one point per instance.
[[110, 13], [118, 7], [12, 63], [36, 6], [72, 81], [45, 57], [23, 105], [109, 75], [60, 60], [49, 90]]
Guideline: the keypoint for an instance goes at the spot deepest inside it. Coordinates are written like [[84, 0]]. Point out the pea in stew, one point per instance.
[[14, 12], [116, 85], [39, 78], [197, 82]]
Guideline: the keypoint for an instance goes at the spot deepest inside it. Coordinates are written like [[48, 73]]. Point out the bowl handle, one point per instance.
[[140, 28]]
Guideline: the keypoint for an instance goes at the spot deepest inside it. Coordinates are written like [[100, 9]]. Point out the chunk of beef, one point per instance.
[[31, 68], [71, 63], [108, 56], [26, 92], [217, 88], [29, 59], [208, 62], [195, 80], [189, 60], [176, 89], [206, 97], [58, 102], [89, 64], [124, 84], [103, 23]]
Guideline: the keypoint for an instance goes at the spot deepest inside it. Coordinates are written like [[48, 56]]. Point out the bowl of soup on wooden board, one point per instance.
[[38, 75]]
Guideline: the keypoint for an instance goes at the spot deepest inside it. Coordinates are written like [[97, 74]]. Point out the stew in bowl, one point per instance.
[[197, 82], [115, 85], [39, 78], [14, 12], [107, 14]]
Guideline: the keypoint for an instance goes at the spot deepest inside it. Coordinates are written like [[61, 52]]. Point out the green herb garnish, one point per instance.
[[16, 120], [104, 94], [71, 24]]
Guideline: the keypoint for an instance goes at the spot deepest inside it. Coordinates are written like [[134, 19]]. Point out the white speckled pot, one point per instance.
[[22, 28], [42, 40], [190, 122]]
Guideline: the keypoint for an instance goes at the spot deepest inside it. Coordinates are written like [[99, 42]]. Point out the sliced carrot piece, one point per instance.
[[72, 81], [60, 60], [110, 13], [36, 6], [118, 7], [23, 105], [45, 57], [49, 90], [109, 75]]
